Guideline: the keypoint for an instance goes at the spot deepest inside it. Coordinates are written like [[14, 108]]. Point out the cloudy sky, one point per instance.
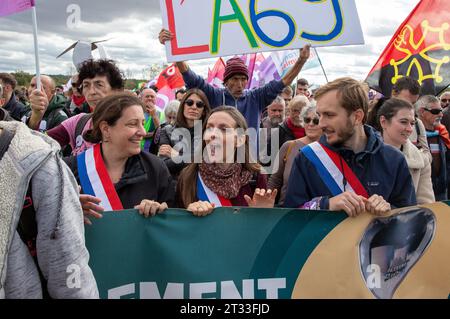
[[133, 26]]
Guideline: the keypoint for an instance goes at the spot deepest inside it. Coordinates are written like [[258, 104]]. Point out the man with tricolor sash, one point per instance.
[[350, 169]]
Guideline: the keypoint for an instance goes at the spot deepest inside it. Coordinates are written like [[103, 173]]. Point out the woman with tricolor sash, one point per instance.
[[179, 139], [115, 174], [226, 176]]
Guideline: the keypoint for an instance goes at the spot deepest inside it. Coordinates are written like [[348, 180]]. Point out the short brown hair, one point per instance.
[[110, 110], [406, 83], [302, 82], [350, 92], [8, 79]]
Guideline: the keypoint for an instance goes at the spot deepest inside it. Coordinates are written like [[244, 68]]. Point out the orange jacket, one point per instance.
[[444, 134]]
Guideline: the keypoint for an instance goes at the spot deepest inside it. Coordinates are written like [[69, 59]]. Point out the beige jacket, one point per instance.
[[421, 139], [420, 169]]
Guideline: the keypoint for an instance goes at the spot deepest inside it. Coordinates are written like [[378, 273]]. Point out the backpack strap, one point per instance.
[[81, 125], [417, 132], [7, 137], [28, 231]]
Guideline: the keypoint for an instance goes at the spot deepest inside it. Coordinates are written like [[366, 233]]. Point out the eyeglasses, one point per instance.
[[308, 120], [433, 111], [445, 100], [199, 104]]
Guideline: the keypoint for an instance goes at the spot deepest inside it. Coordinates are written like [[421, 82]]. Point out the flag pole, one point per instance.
[[36, 49], [321, 65], [443, 90]]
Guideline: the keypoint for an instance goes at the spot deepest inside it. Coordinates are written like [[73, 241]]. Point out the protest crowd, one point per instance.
[[69, 156]]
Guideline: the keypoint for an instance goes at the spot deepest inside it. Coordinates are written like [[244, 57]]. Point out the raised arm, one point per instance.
[[295, 70], [166, 35]]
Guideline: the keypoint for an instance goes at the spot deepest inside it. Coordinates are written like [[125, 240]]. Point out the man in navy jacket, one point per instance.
[[355, 148], [251, 103]]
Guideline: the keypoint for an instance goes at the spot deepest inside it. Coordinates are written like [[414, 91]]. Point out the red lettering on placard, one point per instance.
[[175, 49]]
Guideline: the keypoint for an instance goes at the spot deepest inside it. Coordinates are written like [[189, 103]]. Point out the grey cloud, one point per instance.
[[52, 13], [133, 26]]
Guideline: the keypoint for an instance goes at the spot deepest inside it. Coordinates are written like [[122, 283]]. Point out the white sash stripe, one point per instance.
[[212, 197], [96, 182], [334, 171]]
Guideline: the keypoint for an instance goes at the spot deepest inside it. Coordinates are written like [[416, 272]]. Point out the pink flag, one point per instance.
[[249, 60], [8, 7], [164, 95], [253, 69], [215, 76], [264, 73]]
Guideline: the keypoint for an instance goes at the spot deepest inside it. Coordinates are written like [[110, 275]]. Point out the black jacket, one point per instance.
[[16, 109], [4, 115], [168, 138], [381, 169], [284, 134], [145, 177]]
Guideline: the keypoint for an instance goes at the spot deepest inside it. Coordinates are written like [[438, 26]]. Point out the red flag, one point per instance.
[[215, 76], [170, 77], [420, 48]]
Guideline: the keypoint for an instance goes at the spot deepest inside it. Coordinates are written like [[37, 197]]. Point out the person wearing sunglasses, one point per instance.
[[350, 169], [251, 103], [177, 141], [290, 149], [430, 113]]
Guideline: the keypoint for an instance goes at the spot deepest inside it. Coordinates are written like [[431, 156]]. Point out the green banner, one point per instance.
[[232, 253]]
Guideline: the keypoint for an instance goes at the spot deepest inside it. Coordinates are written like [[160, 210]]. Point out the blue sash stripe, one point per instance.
[[322, 170], [201, 194], [82, 174]]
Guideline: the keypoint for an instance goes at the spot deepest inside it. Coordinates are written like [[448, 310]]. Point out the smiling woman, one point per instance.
[[396, 121], [115, 174]]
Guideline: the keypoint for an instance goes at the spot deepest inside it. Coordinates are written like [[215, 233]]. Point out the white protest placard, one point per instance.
[[213, 28]]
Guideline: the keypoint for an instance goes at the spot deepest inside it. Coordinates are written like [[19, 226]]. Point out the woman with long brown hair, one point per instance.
[[226, 176], [178, 140]]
